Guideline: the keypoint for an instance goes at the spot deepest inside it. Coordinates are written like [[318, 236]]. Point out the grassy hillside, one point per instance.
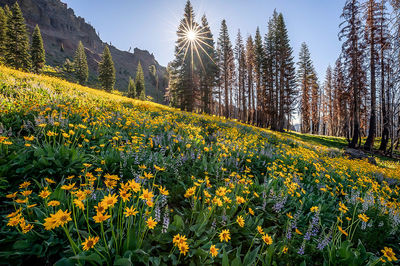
[[90, 177]]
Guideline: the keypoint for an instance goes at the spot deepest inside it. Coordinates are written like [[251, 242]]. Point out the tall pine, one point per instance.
[[386, 57], [286, 86], [209, 69], [17, 41], [241, 76], [182, 78], [353, 53], [305, 72], [315, 103], [226, 66], [107, 70], [131, 88], [250, 78], [372, 39], [259, 57], [140, 86], [37, 51], [80, 64]]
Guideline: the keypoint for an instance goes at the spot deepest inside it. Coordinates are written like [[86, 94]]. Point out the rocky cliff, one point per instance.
[[62, 30]]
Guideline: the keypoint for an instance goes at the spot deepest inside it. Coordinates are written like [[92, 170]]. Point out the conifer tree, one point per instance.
[[270, 71], [341, 102], [259, 57], [80, 64], [371, 35], [182, 69], [387, 56], [329, 101], [8, 12], [3, 27], [107, 70], [286, 73], [37, 51], [209, 69], [305, 71], [131, 88], [226, 66], [140, 86], [17, 41], [241, 76], [315, 101], [155, 80], [353, 51], [250, 80]]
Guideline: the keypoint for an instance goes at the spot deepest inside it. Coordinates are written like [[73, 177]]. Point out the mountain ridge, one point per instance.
[[62, 30]]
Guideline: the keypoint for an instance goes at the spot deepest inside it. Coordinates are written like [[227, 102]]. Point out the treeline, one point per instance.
[[19, 51], [361, 94], [255, 80]]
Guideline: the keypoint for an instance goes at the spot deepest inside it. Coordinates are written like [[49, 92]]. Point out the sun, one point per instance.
[[193, 40], [191, 35]]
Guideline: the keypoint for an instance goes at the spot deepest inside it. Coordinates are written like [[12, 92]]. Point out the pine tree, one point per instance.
[[8, 12], [305, 71], [329, 101], [3, 27], [155, 80], [131, 88], [37, 51], [315, 101], [285, 89], [241, 76], [353, 51], [182, 69], [17, 41], [209, 70], [107, 70], [80, 64], [341, 102], [226, 67], [259, 57], [270, 72], [385, 60], [371, 36], [250, 57], [140, 86]]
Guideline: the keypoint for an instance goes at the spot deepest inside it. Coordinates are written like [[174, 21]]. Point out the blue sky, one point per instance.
[[152, 24]]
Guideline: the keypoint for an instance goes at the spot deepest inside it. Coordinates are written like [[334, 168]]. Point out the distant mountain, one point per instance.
[[62, 30]]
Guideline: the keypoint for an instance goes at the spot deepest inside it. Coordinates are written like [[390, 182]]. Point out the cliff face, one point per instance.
[[62, 30]]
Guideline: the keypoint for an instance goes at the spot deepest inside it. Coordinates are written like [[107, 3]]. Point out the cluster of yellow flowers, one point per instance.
[[180, 241]]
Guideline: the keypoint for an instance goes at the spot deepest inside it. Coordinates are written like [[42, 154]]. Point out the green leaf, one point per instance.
[[236, 262], [178, 222], [225, 259], [251, 256], [123, 262]]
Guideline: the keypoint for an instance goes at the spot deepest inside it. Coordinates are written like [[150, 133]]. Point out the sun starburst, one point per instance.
[[192, 40]]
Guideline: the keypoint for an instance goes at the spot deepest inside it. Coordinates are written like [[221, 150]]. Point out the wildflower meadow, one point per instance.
[[88, 177]]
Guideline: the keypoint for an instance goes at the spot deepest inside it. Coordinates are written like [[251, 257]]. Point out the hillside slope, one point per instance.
[[60, 27], [160, 186]]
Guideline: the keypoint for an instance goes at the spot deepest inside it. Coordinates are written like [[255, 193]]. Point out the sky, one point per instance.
[[151, 24]]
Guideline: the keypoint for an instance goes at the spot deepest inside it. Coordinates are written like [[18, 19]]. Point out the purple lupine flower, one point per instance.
[[157, 213], [324, 241], [165, 220], [289, 232], [301, 249]]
